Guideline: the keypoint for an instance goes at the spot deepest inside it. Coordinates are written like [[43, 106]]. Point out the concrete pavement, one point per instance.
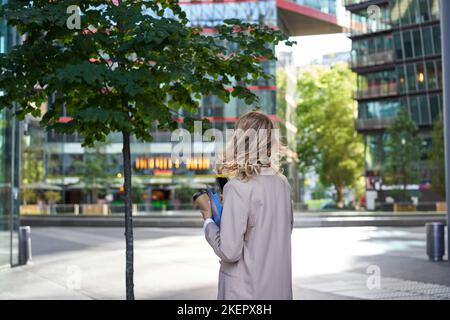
[[186, 218], [177, 263]]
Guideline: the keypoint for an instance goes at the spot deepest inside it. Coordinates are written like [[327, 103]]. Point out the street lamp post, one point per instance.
[[445, 33]]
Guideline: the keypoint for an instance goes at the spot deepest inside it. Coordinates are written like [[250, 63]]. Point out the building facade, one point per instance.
[[157, 177], [9, 172], [396, 52]]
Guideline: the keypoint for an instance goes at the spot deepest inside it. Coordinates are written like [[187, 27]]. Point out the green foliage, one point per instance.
[[437, 156], [184, 194], [29, 196], [402, 152], [52, 196], [130, 70], [281, 93], [319, 192], [94, 170], [327, 141], [138, 194], [32, 165]]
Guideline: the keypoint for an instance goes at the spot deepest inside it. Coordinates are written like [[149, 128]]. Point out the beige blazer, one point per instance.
[[254, 238]]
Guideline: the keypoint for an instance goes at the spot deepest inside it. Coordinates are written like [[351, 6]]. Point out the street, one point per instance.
[[177, 263]]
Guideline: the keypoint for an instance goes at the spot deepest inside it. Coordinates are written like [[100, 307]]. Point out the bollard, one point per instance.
[[435, 241], [24, 245]]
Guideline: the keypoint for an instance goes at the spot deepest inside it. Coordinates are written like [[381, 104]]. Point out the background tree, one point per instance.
[[93, 170], [132, 64], [52, 198], [327, 141], [437, 156], [402, 152], [184, 194], [32, 162]]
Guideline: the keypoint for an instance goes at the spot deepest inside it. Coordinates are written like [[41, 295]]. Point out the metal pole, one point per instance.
[[445, 34]]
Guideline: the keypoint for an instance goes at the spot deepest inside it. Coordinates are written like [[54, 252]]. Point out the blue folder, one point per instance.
[[216, 205]]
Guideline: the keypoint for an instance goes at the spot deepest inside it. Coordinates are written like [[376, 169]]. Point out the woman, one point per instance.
[[254, 237]]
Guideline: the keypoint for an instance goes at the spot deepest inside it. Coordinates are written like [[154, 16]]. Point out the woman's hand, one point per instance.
[[204, 205], [206, 214]]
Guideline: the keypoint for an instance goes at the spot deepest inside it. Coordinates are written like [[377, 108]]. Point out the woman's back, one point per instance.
[[254, 239]]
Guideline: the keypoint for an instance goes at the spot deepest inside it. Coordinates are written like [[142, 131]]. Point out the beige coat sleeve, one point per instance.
[[228, 240]]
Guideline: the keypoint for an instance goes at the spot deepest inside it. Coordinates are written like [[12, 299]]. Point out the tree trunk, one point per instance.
[[95, 195], [129, 265], [339, 196]]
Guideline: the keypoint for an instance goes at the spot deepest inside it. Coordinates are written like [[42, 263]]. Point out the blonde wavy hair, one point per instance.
[[254, 144]]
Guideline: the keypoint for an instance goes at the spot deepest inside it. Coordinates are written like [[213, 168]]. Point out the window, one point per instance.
[[414, 109], [434, 107], [362, 110], [373, 151], [407, 42], [398, 46], [378, 109], [379, 44], [434, 9], [420, 76], [403, 104], [413, 11], [411, 76], [424, 11], [403, 7], [424, 110], [427, 41], [431, 75], [371, 46], [417, 43], [437, 39]]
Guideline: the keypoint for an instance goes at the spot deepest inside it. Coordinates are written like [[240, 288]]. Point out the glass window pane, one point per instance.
[[424, 110], [413, 11], [424, 11], [411, 76], [434, 9], [407, 42], [362, 110], [417, 43], [431, 75], [404, 8], [427, 41], [420, 76], [434, 107], [401, 78], [437, 39], [414, 109], [398, 46]]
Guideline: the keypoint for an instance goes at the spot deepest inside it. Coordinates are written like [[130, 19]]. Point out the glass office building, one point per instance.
[[156, 174], [396, 52], [9, 173]]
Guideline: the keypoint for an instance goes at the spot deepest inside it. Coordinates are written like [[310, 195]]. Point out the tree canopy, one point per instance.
[[327, 141], [402, 153], [141, 52]]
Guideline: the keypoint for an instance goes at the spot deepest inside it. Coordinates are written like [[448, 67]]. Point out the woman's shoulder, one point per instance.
[[236, 183], [256, 180]]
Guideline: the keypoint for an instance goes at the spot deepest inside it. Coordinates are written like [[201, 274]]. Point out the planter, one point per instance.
[[441, 206], [404, 207], [92, 209]]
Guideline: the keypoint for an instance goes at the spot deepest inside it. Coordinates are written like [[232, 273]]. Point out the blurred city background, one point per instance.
[[359, 103]]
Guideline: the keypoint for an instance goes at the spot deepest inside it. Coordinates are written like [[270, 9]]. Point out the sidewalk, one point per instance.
[[177, 263], [188, 218]]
